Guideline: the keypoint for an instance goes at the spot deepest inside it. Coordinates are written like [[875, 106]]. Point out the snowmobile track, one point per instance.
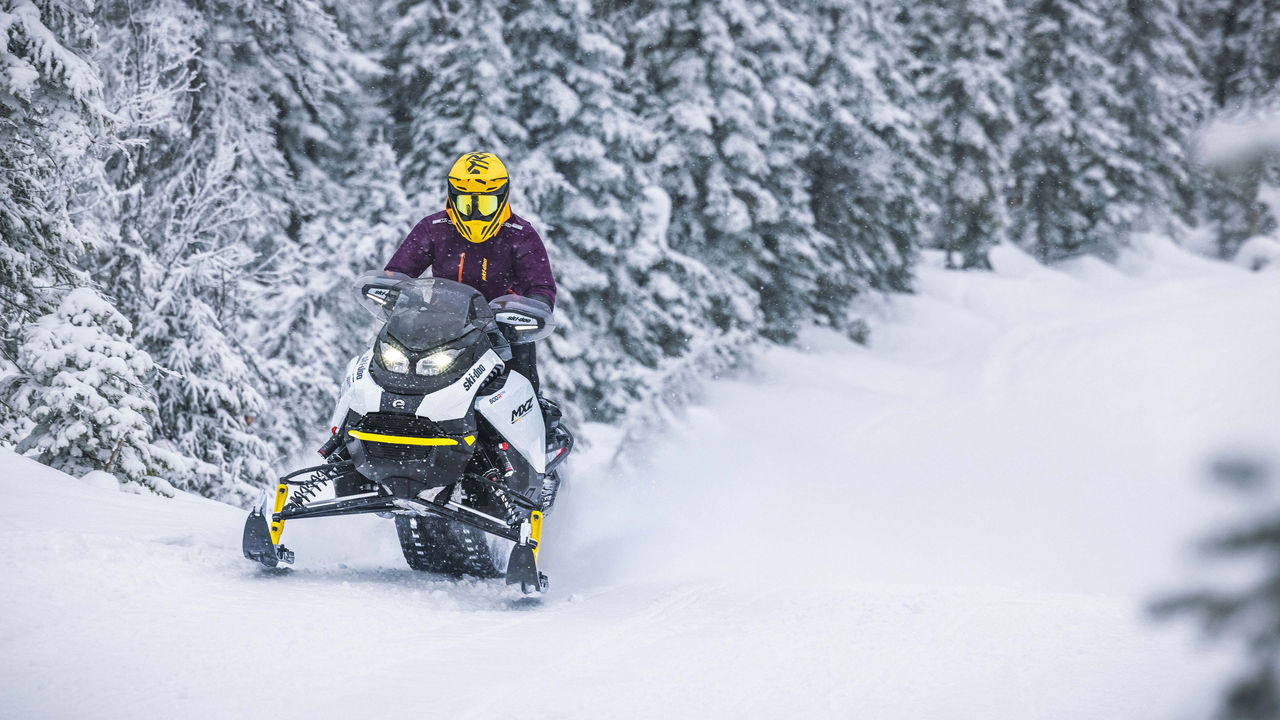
[[433, 544]]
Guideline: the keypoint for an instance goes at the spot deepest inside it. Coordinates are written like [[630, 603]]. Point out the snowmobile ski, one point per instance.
[[260, 542], [522, 566]]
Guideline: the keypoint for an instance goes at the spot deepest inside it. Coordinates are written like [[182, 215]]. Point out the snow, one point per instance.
[[1241, 137], [21, 25], [963, 520], [101, 480], [1259, 253]]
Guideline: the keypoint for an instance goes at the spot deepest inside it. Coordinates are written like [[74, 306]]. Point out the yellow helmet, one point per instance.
[[478, 193]]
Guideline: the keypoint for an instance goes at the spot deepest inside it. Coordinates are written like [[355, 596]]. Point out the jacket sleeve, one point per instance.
[[533, 269], [414, 255]]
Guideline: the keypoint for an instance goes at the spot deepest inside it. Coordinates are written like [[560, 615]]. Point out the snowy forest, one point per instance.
[[189, 186]]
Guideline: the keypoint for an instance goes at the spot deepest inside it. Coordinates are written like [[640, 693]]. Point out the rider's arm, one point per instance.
[[414, 255], [533, 269]]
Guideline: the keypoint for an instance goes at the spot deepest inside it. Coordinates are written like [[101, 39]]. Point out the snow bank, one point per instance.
[[100, 479], [1259, 253]]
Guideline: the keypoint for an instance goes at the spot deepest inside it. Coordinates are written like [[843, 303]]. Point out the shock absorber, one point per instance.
[[506, 469], [309, 489], [508, 507], [331, 444]]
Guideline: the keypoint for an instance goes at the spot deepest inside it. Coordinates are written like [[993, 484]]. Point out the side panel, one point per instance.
[[514, 412], [453, 402], [359, 391]]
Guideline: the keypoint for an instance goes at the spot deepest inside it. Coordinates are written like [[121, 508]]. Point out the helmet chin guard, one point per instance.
[[478, 193]]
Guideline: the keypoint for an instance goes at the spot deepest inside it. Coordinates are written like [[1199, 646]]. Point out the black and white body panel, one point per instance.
[[454, 401], [514, 412], [362, 395], [359, 392]]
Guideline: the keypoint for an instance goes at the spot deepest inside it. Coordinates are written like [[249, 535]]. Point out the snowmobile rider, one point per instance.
[[478, 241]]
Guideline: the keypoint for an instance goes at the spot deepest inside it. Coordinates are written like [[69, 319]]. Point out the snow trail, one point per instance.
[[963, 520]]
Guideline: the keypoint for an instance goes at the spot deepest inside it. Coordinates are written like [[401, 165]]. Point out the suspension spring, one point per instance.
[[509, 507], [309, 489]]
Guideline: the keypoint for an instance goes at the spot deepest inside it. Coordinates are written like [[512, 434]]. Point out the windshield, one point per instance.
[[423, 313]]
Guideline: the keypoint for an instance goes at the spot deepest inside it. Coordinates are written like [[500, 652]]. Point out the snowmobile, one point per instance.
[[434, 430]]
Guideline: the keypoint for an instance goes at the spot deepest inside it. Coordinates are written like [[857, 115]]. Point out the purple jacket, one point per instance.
[[513, 261]]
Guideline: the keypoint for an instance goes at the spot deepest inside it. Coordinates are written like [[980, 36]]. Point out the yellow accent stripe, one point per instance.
[[400, 439], [484, 269], [535, 531], [491, 227], [277, 526], [470, 439]]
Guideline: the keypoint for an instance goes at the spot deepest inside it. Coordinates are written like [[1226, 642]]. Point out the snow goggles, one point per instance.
[[477, 206]]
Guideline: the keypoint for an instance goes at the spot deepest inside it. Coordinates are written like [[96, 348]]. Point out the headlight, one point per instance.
[[393, 358], [437, 362]]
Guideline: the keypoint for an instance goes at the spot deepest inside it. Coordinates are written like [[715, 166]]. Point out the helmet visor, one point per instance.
[[477, 206]]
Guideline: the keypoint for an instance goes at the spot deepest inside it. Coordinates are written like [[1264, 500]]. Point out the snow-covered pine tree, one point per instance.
[[87, 397], [580, 175], [1239, 56], [962, 74], [1068, 161], [51, 112], [1261, 63], [348, 212], [797, 258], [1229, 195], [201, 198], [1251, 612], [310, 324], [1240, 63], [255, 186], [681, 323], [869, 165], [635, 315], [722, 85], [449, 92], [1164, 98]]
